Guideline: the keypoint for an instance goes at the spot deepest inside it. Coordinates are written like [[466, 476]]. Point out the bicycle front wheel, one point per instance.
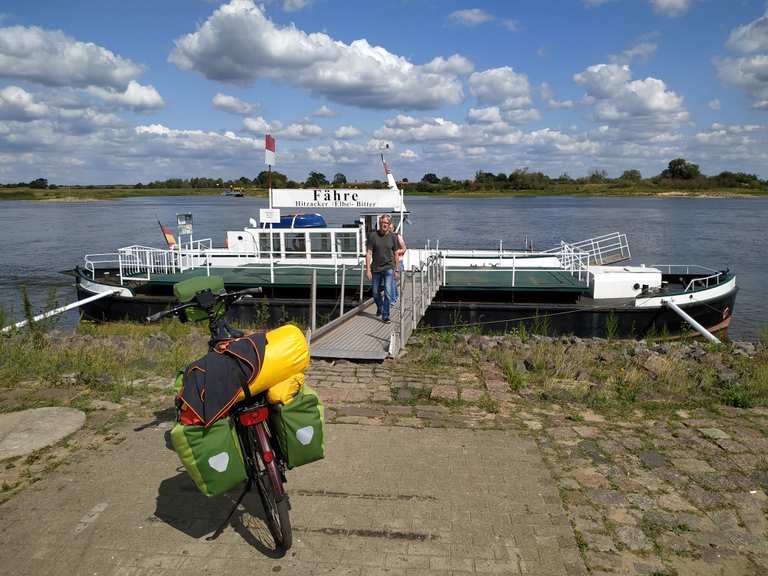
[[270, 486]]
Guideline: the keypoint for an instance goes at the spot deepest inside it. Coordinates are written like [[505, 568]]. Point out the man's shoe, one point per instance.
[[378, 312], [386, 320]]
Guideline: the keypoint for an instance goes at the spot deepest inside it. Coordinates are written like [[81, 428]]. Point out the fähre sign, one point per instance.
[[335, 198]]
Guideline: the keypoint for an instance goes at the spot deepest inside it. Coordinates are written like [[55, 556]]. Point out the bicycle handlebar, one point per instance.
[[231, 296]]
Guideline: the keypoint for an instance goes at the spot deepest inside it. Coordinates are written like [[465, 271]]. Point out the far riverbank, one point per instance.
[[83, 194]]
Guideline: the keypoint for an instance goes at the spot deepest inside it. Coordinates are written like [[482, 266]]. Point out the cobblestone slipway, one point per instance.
[[422, 477]]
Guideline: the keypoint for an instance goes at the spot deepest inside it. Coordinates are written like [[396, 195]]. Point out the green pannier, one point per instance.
[[186, 290], [299, 428], [212, 455]]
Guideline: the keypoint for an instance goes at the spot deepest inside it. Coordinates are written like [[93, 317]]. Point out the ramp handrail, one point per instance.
[[429, 277], [613, 247]]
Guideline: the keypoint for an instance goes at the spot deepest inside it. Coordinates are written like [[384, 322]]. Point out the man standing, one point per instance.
[[382, 265]]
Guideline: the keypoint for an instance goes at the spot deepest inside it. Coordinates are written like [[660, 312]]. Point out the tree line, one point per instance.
[[679, 174]]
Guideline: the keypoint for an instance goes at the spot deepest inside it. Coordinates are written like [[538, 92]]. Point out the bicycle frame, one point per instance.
[[256, 417]]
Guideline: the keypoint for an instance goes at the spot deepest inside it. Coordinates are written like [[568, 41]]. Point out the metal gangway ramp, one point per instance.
[[360, 335]]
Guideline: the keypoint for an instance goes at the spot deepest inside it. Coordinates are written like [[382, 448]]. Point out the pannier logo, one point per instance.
[[304, 435], [219, 462]]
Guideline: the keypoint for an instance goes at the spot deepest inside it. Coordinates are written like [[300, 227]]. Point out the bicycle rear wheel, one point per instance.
[[270, 486]]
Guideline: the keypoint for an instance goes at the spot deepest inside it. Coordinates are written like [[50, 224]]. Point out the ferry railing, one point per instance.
[[92, 262], [605, 249], [711, 276], [574, 261], [140, 262]]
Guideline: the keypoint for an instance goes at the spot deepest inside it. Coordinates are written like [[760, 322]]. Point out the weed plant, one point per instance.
[[106, 359]]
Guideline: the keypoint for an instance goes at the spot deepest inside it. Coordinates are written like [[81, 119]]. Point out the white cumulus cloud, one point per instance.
[[347, 132], [501, 87], [409, 129], [470, 17], [52, 58], [231, 104], [670, 7], [324, 112], [239, 44], [257, 125], [135, 97], [488, 115], [295, 5], [18, 104], [752, 37], [618, 98], [300, 131], [749, 73]]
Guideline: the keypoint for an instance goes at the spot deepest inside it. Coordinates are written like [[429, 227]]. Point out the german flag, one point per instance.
[[169, 239]]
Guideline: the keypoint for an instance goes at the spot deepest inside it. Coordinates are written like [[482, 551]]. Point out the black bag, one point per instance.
[[212, 384]]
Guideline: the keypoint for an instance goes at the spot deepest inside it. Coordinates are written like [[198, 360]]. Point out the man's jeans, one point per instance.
[[385, 277], [395, 292]]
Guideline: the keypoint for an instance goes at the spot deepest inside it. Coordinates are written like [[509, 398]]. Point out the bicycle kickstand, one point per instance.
[[223, 525]]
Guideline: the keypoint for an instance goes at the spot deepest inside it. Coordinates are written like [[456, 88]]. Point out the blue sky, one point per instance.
[[125, 92]]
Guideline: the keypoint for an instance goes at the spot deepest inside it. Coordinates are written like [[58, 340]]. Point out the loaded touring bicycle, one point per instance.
[[244, 415]]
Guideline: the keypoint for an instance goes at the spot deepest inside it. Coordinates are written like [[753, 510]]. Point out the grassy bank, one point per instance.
[[607, 376], [104, 361], [79, 194], [108, 361], [603, 189]]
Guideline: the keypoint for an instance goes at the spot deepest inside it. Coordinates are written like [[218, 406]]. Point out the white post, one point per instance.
[[421, 290], [313, 303], [399, 281], [60, 310], [362, 285], [514, 268], [413, 300], [696, 326], [271, 247], [343, 281]]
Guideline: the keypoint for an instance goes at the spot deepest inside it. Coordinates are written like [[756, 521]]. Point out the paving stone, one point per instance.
[[444, 393], [599, 542], [692, 465], [104, 405], [674, 503], [590, 478], [25, 431], [652, 459], [587, 431], [704, 499], [471, 394], [620, 515], [366, 411], [533, 424], [633, 538], [714, 433], [607, 497]]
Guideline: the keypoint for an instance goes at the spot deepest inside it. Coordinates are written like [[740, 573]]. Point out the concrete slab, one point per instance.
[[29, 430], [385, 500]]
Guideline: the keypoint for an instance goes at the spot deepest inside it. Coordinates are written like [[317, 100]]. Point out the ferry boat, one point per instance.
[[303, 264]]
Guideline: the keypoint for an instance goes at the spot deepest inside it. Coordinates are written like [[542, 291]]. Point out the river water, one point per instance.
[[41, 239]]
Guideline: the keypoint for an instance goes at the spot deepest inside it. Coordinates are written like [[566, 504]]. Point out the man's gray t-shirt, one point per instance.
[[382, 250]]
